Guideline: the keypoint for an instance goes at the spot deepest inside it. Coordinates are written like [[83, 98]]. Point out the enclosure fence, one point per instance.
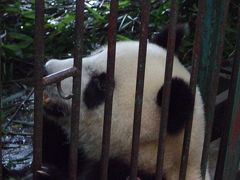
[[206, 61], [0, 112]]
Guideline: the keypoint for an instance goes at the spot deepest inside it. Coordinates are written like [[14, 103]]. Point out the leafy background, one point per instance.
[[17, 23]]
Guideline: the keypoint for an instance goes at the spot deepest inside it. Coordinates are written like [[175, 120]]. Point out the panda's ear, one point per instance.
[[95, 91], [180, 107], [162, 37]]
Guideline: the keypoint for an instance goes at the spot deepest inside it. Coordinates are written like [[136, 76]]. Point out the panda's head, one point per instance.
[[93, 85], [93, 93], [94, 73]]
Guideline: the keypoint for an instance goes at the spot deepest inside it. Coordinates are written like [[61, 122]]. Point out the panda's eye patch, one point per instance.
[[95, 92]]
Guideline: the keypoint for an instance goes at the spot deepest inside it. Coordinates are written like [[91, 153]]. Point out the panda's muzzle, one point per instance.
[[54, 108]]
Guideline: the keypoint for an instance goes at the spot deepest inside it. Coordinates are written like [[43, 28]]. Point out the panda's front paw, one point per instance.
[[54, 107]]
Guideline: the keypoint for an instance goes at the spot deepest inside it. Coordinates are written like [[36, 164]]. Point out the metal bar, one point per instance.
[[193, 83], [221, 8], [228, 157], [139, 87], [166, 89], [59, 76], [76, 90], [38, 94], [206, 46], [1, 120], [110, 87]]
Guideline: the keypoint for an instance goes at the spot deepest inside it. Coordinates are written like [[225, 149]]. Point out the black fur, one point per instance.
[[118, 170], [55, 159], [181, 105], [161, 38], [56, 153], [56, 109], [55, 144], [95, 91]]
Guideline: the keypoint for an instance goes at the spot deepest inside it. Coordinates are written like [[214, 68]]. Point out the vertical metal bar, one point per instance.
[[76, 89], [38, 94], [166, 89], [206, 46], [110, 87], [221, 7], [193, 82], [228, 157], [139, 87], [1, 120]]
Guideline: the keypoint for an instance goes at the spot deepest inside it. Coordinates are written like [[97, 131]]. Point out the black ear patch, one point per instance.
[[180, 107], [95, 92], [161, 38]]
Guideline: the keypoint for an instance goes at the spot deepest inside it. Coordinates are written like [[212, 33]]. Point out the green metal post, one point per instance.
[[229, 155], [0, 109], [206, 46], [210, 61]]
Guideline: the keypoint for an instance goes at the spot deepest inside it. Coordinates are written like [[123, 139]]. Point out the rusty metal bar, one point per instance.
[[193, 83], [59, 76], [221, 7], [139, 87], [76, 90], [1, 120], [110, 87], [38, 94], [228, 157], [166, 89]]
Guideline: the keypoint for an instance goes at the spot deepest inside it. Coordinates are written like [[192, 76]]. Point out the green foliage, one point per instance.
[[18, 16], [18, 22]]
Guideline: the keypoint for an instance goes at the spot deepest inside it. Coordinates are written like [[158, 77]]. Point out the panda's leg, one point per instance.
[[192, 174], [117, 170], [55, 151]]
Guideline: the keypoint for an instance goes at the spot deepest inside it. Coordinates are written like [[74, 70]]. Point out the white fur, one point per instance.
[[123, 107]]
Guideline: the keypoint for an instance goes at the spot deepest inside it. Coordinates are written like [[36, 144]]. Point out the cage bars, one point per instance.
[[229, 156], [166, 89], [206, 48], [76, 90], [193, 83], [112, 28], [220, 16], [38, 93], [139, 87], [1, 117], [59, 76]]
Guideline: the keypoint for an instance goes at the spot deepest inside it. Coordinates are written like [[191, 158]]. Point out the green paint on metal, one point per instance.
[[1, 109], [232, 145], [204, 59], [210, 60], [229, 155]]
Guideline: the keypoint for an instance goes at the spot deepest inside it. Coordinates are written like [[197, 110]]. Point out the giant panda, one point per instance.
[[57, 116]]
